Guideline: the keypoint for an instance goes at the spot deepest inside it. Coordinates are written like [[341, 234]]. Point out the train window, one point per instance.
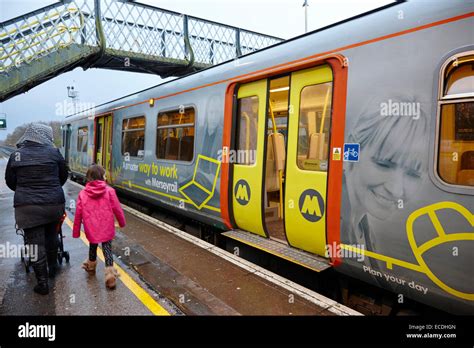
[[175, 135], [456, 138], [314, 126], [459, 77], [82, 136], [133, 136], [247, 118]]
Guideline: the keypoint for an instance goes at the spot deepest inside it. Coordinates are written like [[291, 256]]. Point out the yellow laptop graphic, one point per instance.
[[201, 188]]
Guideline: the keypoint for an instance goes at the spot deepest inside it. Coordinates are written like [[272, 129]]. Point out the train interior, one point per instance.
[[175, 135], [313, 139], [277, 126]]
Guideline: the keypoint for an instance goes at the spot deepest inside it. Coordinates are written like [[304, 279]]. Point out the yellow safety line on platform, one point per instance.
[[132, 285]]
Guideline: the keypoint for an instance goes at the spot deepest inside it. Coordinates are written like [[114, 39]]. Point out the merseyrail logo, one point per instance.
[[311, 205], [242, 192]]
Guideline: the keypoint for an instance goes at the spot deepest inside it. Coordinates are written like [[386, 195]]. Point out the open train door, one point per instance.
[[248, 157], [306, 112], [308, 168], [103, 143]]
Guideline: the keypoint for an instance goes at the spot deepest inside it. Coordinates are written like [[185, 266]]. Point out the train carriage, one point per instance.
[[353, 143]]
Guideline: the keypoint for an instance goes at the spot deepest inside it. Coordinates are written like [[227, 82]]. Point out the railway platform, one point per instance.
[[164, 271]]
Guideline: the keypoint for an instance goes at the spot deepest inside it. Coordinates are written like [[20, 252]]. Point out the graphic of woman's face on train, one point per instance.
[[391, 165]]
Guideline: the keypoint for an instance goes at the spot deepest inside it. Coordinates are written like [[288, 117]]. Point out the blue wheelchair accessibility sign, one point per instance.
[[351, 152]]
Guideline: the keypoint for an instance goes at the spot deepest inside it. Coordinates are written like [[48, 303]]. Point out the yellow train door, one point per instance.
[[108, 148], [307, 164], [104, 144], [248, 157]]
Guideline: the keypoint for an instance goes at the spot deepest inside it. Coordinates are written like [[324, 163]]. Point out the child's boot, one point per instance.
[[89, 266], [111, 275]]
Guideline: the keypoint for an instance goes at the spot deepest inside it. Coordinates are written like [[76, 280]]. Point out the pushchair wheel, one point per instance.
[[25, 261], [66, 256], [60, 258]]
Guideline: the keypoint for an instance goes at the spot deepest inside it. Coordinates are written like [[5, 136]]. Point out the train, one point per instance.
[[352, 144]]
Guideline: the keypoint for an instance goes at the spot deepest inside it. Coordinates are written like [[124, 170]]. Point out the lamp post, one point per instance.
[[73, 94], [305, 5]]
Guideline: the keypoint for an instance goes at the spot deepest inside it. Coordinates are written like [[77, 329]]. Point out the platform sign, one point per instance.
[[351, 152], [3, 121]]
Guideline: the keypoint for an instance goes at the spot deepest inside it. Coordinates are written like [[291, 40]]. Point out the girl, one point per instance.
[[96, 206]]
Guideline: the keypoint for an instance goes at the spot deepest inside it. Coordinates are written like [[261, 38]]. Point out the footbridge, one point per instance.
[[119, 35]]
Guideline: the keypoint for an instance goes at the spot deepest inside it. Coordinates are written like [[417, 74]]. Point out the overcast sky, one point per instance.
[[281, 18]]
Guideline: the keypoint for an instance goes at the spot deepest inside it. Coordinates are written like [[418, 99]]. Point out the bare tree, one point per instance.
[[12, 138]]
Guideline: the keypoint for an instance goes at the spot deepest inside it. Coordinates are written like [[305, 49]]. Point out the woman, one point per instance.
[[36, 172], [389, 173]]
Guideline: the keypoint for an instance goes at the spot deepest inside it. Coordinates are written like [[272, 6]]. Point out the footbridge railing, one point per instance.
[[118, 35]]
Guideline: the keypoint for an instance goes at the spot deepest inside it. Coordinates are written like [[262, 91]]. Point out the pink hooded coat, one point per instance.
[[96, 206]]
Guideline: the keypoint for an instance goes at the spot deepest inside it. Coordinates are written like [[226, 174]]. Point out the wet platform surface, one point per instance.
[[73, 291], [166, 274]]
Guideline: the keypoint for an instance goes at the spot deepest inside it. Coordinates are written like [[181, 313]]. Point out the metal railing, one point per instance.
[[37, 36], [100, 33]]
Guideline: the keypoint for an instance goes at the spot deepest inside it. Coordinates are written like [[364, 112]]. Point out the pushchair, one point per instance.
[[26, 257]]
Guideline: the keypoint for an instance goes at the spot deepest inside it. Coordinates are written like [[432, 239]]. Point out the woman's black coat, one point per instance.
[[36, 173]]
